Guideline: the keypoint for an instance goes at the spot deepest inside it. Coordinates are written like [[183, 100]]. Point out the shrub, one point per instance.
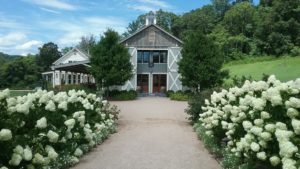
[[259, 121], [169, 92], [295, 51], [123, 95], [47, 130], [195, 103], [179, 96]]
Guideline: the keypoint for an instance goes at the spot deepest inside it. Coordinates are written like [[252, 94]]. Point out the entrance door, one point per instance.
[[159, 83], [143, 83]]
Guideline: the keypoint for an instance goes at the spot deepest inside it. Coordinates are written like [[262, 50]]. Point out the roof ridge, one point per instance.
[[147, 26]]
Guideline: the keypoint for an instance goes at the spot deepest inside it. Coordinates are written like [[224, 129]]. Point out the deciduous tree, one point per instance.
[[48, 53]]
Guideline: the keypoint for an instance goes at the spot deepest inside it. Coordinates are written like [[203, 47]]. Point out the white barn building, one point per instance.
[[154, 56]]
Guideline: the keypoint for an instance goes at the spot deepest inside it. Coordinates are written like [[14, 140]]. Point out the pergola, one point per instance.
[[73, 73]]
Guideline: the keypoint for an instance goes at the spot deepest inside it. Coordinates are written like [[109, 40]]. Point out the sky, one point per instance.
[[26, 25]]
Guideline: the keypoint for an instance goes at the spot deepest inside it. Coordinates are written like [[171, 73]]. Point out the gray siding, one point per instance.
[[174, 55], [152, 37], [131, 84], [158, 68]]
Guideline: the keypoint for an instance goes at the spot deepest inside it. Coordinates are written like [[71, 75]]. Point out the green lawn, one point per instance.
[[284, 69], [14, 93]]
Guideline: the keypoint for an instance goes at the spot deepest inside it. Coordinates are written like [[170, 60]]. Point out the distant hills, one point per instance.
[[6, 57]]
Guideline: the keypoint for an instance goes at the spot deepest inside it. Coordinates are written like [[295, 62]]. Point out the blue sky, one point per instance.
[[27, 24]]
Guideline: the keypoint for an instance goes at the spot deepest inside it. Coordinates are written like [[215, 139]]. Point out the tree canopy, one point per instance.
[[48, 53], [20, 72], [164, 19], [201, 63], [86, 43]]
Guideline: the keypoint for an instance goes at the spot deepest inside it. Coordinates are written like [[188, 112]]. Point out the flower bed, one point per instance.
[[259, 122], [47, 130]]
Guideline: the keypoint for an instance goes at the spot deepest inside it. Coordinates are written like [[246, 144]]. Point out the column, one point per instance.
[[72, 78], [53, 79], [59, 78]]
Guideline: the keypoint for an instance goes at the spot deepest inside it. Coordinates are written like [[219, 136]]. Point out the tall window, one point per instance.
[[156, 56]]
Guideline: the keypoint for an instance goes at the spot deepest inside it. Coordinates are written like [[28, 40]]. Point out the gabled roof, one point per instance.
[[87, 56], [145, 27]]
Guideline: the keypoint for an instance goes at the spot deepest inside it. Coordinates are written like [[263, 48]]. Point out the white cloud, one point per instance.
[[56, 4], [12, 38], [49, 10], [157, 3], [148, 5], [100, 21], [143, 8], [17, 43], [29, 45], [71, 31]]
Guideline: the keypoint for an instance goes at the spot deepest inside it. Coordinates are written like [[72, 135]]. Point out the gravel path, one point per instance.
[[153, 133]]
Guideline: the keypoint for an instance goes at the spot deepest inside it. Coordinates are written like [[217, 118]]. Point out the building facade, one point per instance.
[[154, 56]]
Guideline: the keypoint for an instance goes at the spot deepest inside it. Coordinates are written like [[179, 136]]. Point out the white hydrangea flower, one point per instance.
[[258, 103], [5, 135], [263, 143], [74, 160], [261, 155], [256, 130], [50, 106], [259, 122], [283, 135], [51, 152], [274, 160], [287, 149], [292, 113], [38, 159], [247, 125], [3, 167], [70, 123], [27, 154], [15, 159], [23, 108], [296, 125], [78, 152], [266, 136], [294, 102], [288, 163], [254, 147], [265, 115], [52, 136], [4, 94], [280, 125], [63, 105], [41, 123], [270, 127], [18, 149]]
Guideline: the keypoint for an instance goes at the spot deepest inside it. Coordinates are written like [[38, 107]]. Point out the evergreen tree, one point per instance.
[[110, 61], [201, 63]]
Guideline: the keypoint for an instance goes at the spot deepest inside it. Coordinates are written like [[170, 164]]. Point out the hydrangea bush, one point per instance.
[[259, 121], [47, 130]]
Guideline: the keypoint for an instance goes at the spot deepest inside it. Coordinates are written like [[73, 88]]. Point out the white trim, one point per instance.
[[47, 73], [67, 55]]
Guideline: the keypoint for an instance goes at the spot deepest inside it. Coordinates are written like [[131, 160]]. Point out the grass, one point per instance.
[[15, 93], [285, 68]]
